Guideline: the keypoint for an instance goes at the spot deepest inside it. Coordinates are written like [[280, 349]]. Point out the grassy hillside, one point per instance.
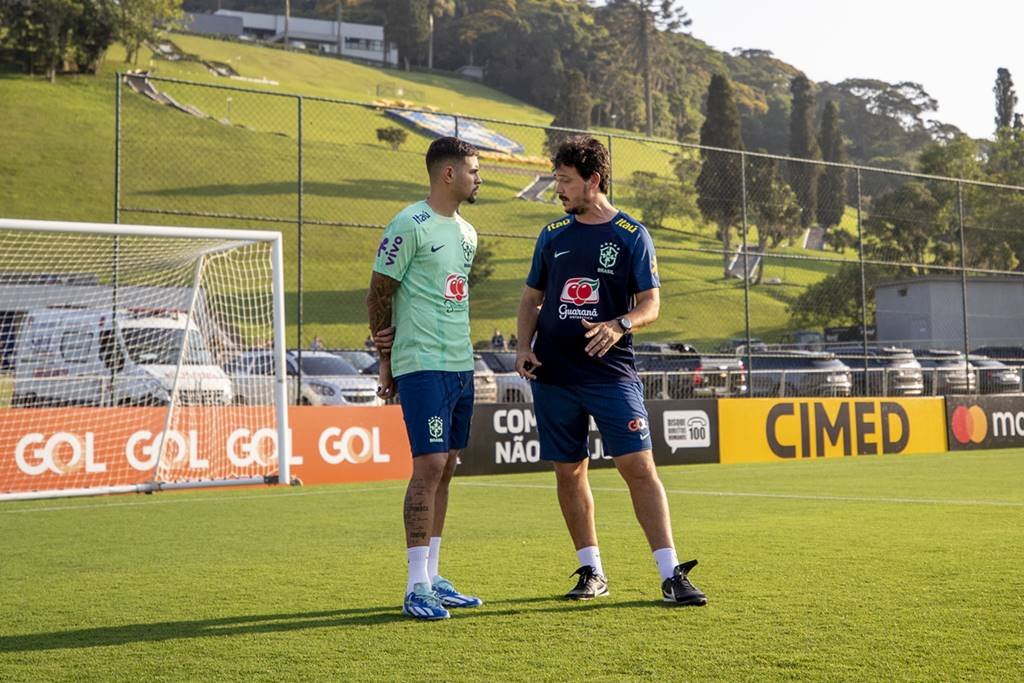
[[244, 162]]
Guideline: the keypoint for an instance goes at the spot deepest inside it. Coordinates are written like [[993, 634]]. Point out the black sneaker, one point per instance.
[[590, 585], [679, 591]]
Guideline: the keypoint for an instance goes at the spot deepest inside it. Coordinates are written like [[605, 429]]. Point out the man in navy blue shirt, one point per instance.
[[594, 279]]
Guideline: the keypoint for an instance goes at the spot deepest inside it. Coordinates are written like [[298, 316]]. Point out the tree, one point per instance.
[[406, 27], [804, 145], [141, 20], [832, 186], [650, 18], [436, 9], [393, 136], [1006, 99], [660, 198], [719, 186], [573, 110], [56, 34], [483, 265], [772, 206]]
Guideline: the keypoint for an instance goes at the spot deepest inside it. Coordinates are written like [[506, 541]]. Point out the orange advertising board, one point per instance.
[[71, 448]]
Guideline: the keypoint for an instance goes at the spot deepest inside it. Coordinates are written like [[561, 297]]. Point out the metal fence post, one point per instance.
[[746, 270], [116, 255], [456, 119], [863, 285], [300, 253], [963, 280], [611, 180]]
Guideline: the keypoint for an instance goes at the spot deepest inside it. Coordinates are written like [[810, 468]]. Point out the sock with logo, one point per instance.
[[432, 559], [591, 555], [667, 561], [417, 555]]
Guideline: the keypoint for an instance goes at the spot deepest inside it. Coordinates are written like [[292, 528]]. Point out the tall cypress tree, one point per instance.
[[1006, 99], [803, 144], [719, 185], [832, 186], [573, 109]]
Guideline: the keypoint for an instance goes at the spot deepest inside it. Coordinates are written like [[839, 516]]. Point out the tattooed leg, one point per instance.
[[427, 471]]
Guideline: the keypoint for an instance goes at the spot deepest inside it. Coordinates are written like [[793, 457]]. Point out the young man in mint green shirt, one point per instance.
[[420, 290]]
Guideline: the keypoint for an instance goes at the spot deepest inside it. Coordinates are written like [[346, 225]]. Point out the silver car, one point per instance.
[[326, 380]]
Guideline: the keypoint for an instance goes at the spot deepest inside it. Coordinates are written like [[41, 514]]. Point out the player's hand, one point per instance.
[[526, 363], [383, 339], [602, 336], [386, 385]]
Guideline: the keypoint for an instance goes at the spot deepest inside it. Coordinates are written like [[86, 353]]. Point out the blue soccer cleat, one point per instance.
[[423, 603], [450, 597]]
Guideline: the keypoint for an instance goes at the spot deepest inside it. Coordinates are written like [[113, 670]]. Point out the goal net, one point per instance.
[[122, 350]]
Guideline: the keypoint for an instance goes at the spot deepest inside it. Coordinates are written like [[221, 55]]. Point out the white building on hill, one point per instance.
[[361, 41]]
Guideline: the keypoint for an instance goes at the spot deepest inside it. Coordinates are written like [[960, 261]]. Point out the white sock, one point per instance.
[[592, 556], [432, 559], [667, 561], [417, 566]]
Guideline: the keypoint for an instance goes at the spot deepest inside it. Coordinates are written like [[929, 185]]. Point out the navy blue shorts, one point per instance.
[[563, 419], [437, 408]]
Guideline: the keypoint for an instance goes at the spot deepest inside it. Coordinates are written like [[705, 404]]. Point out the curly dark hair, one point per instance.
[[446, 150], [588, 156]]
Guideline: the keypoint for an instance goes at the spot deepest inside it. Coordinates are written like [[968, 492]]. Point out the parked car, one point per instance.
[[891, 371], [799, 373], [946, 372], [738, 345], [995, 376], [1012, 356], [511, 388], [326, 380], [485, 387], [361, 360], [807, 340], [691, 374]]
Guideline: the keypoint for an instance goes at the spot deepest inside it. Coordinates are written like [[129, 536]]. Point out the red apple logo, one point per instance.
[[580, 290]]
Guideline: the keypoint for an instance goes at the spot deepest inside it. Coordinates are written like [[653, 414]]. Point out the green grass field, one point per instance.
[[887, 568]]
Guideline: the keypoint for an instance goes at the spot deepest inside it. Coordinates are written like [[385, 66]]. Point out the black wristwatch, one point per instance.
[[625, 324]]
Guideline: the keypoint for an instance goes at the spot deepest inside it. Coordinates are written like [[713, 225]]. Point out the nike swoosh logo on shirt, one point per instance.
[[437, 248], [562, 253], [644, 436]]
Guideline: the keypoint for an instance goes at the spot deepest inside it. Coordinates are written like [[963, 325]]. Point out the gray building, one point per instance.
[[361, 41], [214, 25], [928, 311]]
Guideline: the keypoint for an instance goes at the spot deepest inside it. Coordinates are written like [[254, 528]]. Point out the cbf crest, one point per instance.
[[607, 257], [468, 250], [435, 426]]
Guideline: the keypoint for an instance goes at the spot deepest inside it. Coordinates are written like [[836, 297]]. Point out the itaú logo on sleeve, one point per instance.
[[60, 453]]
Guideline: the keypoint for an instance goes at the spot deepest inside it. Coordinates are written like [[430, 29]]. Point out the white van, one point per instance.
[[74, 356]]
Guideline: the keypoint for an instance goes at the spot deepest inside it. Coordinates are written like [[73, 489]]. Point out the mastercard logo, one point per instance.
[[970, 425]]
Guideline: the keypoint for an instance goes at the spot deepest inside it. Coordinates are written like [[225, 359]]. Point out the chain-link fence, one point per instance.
[[775, 272]]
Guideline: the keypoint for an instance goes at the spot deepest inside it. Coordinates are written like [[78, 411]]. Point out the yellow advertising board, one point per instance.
[[769, 429]]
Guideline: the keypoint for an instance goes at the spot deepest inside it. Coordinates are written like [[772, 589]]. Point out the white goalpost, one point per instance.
[[119, 354]]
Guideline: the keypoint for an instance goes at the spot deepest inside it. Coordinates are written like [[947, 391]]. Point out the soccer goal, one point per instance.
[[121, 351]]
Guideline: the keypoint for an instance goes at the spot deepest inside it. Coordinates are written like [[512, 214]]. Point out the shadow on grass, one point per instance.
[[280, 623]]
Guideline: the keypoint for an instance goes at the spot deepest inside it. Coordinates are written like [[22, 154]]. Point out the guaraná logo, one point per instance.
[[455, 288], [580, 290], [969, 425]]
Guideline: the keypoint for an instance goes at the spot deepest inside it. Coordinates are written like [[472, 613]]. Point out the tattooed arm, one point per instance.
[[379, 300]]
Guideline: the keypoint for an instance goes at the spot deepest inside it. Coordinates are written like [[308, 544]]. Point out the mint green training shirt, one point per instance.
[[431, 256]]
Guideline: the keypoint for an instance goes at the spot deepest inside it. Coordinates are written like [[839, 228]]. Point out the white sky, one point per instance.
[[952, 49]]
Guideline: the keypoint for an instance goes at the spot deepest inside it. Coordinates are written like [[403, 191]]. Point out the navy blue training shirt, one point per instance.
[[588, 272]]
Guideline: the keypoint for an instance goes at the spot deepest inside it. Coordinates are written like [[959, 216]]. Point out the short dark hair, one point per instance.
[[588, 156], [447, 149]]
